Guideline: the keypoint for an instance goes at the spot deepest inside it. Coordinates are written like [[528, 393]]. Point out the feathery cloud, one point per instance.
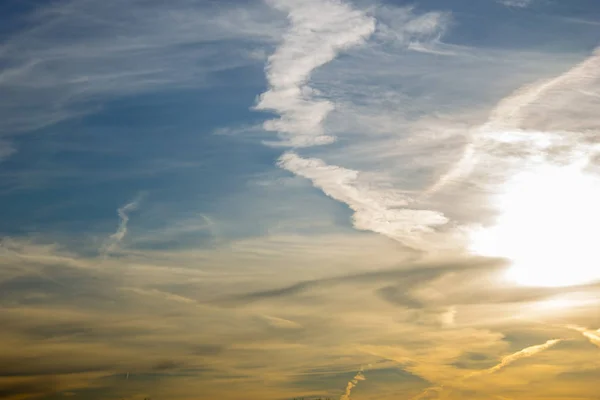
[[71, 56], [416, 32], [507, 121], [591, 335], [318, 31], [352, 384], [113, 240], [516, 3], [434, 391], [383, 211], [6, 150], [524, 353]]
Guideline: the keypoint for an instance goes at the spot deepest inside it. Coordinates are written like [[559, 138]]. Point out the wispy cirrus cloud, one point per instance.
[[348, 297], [516, 3], [524, 353], [592, 335], [352, 384], [318, 31], [521, 118], [312, 42], [404, 28], [375, 209], [113, 240], [6, 150], [435, 391], [71, 56]]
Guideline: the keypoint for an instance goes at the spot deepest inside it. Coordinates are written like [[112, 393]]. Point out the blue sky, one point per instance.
[[285, 198]]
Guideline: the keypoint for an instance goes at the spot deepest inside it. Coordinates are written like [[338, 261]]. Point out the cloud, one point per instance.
[[71, 57], [526, 352], [318, 31], [171, 292], [382, 211], [113, 240], [435, 391], [429, 393], [408, 276], [352, 384], [6, 150], [350, 298], [516, 3], [280, 323], [401, 26], [591, 335], [521, 119]]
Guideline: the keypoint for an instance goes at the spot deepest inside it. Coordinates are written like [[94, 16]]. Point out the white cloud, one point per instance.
[[591, 335], [318, 31], [526, 352], [113, 240], [418, 32], [517, 3], [375, 209], [522, 118], [281, 323], [6, 150], [351, 384], [74, 55]]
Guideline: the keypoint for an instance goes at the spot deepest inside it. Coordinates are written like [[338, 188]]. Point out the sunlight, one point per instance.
[[548, 227]]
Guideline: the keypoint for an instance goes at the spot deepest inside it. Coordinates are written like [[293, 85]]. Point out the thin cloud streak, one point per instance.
[[318, 31], [517, 3], [508, 117], [352, 384], [113, 240], [591, 335], [76, 55], [378, 210], [434, 391], [526, 352]]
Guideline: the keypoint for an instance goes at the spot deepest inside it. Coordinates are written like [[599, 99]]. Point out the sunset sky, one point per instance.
[[275, 199]]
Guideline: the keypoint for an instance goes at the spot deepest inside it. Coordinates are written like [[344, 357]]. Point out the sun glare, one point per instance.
[[548, 227]]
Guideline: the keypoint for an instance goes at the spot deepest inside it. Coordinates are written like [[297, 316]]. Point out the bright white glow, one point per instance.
[[549, 227]]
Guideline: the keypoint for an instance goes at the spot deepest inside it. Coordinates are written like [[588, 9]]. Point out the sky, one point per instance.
[[280, 199]]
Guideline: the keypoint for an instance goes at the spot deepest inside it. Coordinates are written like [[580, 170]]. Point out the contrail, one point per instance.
[[427, 393], [508, 114], [352, 383], [526, 352], [505, 362], [592, 336], [308, 44], [114, 239]]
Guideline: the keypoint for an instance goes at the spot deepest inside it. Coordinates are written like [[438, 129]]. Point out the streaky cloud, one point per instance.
[[408, 276], [435, 391], [352, 384], [516, 3], [420, 33], [511, 358], [506, 119], [72, 56], [591, 335], [383, 211], [319, 30], [123, 212]]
